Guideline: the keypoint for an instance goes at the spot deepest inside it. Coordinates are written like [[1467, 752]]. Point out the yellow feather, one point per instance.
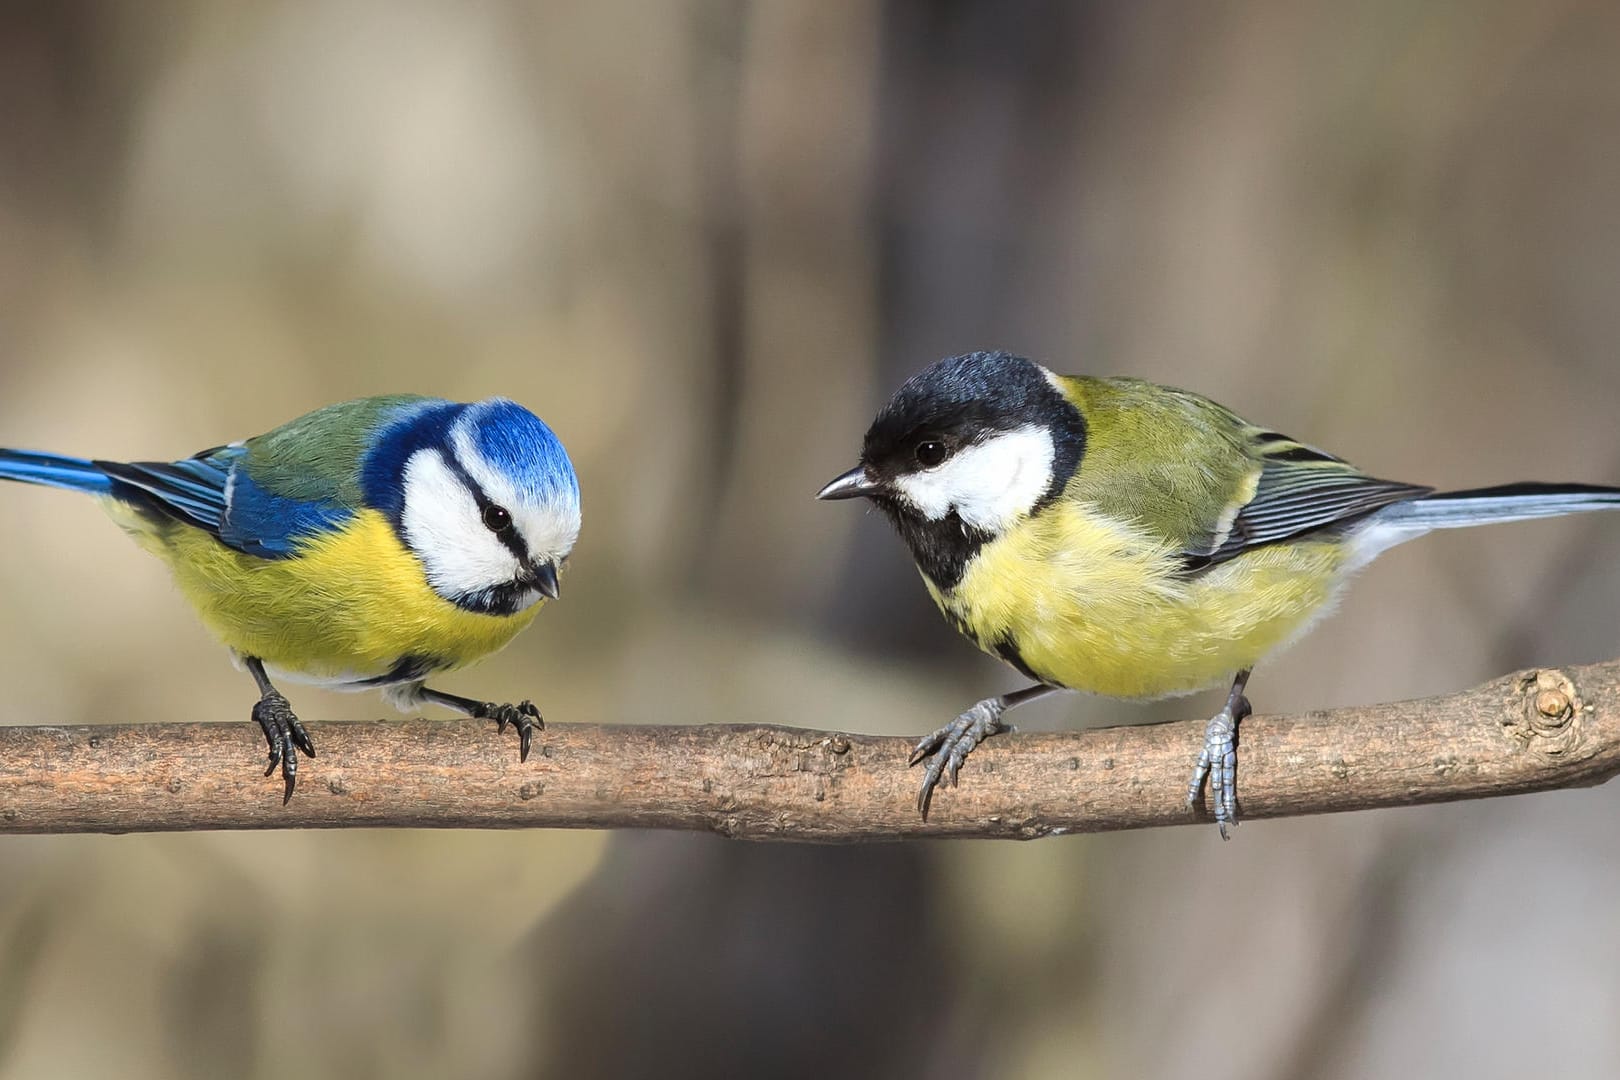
[[350, 603], [1096, 604]]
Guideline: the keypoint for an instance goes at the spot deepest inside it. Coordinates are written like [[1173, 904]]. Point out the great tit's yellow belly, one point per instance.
[[1092, 604], [351, 605]]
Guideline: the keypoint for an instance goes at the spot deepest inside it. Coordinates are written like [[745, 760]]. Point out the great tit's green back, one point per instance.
[[1165, 459]]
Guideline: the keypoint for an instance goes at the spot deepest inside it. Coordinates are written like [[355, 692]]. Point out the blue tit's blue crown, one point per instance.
[[521, 447], [514, 441]]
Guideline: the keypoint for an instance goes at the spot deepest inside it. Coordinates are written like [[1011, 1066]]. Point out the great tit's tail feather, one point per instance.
[[54, 470], [1509, 502]]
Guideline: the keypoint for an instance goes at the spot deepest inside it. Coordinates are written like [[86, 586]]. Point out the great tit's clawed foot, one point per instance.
[[947, 748], [1218, 762], [286, 737], [523, 716]]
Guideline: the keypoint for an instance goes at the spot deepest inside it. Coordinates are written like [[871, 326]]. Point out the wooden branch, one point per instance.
[[1530, 731]]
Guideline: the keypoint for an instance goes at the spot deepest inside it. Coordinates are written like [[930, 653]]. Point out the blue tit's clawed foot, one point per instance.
[[948, 747], [524, 716], [286, 737], [1218, 759]]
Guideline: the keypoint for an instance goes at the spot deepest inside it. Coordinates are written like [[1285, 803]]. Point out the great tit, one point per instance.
[[1129, 539], [367, 545]]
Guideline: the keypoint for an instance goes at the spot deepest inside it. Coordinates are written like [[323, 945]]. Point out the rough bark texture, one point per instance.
[[1530, 731]]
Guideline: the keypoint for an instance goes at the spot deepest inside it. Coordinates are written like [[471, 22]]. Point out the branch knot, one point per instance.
[[1550, 723]]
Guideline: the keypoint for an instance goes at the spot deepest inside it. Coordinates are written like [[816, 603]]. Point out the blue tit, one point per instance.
[[368, 545], [1132, 540]]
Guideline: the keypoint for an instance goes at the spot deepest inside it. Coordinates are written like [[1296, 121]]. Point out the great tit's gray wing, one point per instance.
[[1296, 490], [1206, 482]]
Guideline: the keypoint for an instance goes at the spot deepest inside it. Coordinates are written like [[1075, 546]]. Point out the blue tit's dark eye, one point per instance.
[[496, 518], [931, 452]]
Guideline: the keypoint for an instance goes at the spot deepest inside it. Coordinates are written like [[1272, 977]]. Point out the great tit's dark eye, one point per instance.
[[931, 452], [496, 518]]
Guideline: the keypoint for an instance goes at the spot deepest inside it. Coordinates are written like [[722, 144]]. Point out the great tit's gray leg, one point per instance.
[[281, 728], [947, 748], [523, 716], [1218, 759]]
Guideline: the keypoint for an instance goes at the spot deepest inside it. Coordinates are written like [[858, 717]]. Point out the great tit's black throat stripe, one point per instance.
[[942, 549], [1007, 648], [963, 400], [509, 536]]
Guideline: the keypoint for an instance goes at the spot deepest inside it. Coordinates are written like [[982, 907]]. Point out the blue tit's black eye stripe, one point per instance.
[[497, 519], [509, 536]]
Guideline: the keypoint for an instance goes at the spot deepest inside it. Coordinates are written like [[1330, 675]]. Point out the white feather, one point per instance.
[[549, 527], [1375, 538], [989, 484], [443, 526]]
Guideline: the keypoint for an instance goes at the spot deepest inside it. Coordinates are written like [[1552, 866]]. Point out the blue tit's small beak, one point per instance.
[[852, 485], [544, 578]]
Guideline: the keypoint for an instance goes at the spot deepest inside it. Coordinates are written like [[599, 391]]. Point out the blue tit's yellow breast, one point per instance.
[[352, 602], [1097, 604]]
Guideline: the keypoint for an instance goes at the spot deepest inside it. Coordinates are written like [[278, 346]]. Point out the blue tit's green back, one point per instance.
[[317, 457]]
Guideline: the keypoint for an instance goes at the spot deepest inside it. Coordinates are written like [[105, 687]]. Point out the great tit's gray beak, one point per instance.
[[852, 485], [544, 578]]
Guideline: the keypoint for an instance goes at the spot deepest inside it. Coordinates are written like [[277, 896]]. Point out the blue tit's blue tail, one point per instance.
[[54, 470], [1510, 502]]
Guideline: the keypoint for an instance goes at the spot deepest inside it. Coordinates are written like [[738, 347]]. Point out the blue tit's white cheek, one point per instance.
[[549, 526], [443, 526], [990, 484]]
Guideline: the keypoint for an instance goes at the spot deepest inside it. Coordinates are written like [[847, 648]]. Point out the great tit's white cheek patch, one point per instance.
[[990, 484], [444, 528]]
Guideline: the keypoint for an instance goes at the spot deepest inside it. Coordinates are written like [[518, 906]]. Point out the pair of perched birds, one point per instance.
[[1101, 534]]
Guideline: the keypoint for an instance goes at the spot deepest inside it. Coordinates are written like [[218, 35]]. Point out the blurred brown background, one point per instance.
[[704, 240]]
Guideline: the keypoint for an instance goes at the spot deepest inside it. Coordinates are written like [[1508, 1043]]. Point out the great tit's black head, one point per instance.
[[967, 448]]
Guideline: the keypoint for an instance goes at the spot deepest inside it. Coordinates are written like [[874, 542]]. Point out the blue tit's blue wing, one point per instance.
[[215, 491], [192, 491]]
